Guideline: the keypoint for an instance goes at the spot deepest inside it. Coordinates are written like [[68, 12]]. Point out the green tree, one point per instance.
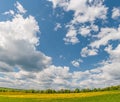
[[77, 90]]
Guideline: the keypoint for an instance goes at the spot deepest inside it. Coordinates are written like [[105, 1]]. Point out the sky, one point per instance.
[[59, 44]]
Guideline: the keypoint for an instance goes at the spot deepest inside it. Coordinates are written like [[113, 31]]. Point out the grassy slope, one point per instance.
[[112, 97]]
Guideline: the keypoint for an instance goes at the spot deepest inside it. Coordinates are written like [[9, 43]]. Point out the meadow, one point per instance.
[[105, 96]]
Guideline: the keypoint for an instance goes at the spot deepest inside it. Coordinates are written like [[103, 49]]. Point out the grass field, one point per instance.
[[108, 96]]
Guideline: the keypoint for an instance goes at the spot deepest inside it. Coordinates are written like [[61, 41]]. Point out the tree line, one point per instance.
[[77, 90]]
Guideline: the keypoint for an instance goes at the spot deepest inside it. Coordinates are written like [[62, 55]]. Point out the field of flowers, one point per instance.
[[63, 95], [70, 97]]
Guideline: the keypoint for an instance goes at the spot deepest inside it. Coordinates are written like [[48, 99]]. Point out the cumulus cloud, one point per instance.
[[114, 53], [71, 36], [18, 43], [57, 26], [20, 8], [86, 30], [76, 63], [88, 52], [105, 35], [9, 12], [102, 39], [61, 3], [51, 77], [57, 77], [61, 77], [115, 13], [84, 11]]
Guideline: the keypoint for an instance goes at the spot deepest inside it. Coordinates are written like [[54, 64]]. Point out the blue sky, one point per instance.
[[66, 43]]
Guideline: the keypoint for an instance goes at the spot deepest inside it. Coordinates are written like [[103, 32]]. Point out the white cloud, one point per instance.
[[86, 30], [105, 35], [71, 36], [114, 53], [88, 52], [61, 3], [55, 2], [9, 12], [18, 41], [84, 11], [61, 77], [76, 63], [102, 39], [72, 40], [20, 8], [57, 26], [115, 13]]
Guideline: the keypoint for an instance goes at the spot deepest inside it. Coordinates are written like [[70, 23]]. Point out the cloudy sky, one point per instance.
[[59, 43]]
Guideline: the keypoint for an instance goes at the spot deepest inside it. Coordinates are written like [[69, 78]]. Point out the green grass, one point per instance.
[[102, 98]]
